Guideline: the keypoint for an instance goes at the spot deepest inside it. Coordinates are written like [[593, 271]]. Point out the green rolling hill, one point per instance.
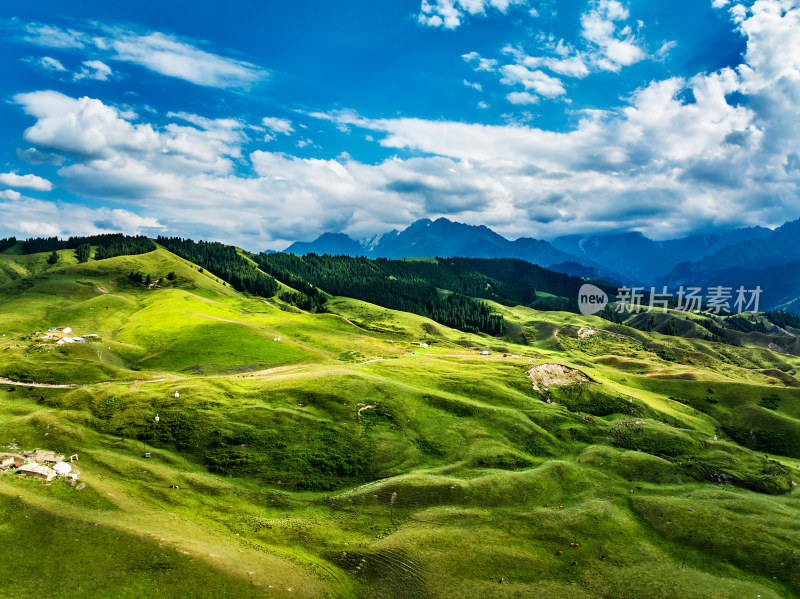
[[368, 452]]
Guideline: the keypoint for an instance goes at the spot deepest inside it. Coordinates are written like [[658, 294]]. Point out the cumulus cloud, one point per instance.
[[707, 162], [88, 129], [449, 14], [10, 194], [23, 216], [94, 69], [25, 181], [276, 125], [480, 63], [608, 45], [614, 47], [659, 163], [536, 81], [522, 98]]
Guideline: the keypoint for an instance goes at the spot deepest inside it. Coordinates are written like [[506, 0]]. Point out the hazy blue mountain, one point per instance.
[[441, 237], [697, 247], [778, 248], [631, 254], [771, 261], [645, 261], [750, 256], [328, 243]]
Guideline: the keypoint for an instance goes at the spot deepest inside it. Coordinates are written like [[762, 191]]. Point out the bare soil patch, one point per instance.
[[545, 376]]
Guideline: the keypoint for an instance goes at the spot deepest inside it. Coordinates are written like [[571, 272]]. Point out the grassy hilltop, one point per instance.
[[335, 455]]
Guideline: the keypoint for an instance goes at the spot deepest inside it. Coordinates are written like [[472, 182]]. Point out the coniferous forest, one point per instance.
[[225, 262], [435, 289], [108, 246]]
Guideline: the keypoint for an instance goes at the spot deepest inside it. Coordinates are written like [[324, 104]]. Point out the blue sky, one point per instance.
[[263, 123]]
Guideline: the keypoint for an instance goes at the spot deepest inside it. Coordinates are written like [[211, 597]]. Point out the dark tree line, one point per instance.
[[304, 301], [7, 242], [224, 262], [783, 319], [745, 325], [82, 252], [108, 246], [436, 291]]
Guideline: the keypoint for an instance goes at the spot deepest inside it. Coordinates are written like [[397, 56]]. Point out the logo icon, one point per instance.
[[591, 299]]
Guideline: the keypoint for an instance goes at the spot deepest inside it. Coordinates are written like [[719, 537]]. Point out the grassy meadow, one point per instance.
[[377, 454]]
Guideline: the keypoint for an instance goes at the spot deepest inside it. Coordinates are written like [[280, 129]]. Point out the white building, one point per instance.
[[62, 468]]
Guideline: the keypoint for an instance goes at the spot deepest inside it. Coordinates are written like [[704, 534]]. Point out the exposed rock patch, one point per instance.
[[545, 376]]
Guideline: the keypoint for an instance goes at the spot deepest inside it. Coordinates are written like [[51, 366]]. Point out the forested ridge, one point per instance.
[[225, 262], [7, 242], [442, 290], [108, 245]]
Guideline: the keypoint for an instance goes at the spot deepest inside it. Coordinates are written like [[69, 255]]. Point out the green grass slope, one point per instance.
[[373, 453]]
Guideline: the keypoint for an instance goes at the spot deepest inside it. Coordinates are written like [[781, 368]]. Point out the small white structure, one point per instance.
[[6, 460], [157, 419], [67, 330], [62, 468], [485, 352], [60, 342], [177, 394]]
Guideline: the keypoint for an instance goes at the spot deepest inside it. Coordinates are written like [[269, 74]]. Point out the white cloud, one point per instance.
[[719, 3], [449, 14], [536, 81], [479, 63], [657, 162], [52, 37], [522, 98], [25, 181], [276, 125], [475, 86], [94, 69], [10, 194], [161, 53], [24, 216], [88, 129], [614, 48], [565, 60], [173, 57], [608, 47], [49, 63]]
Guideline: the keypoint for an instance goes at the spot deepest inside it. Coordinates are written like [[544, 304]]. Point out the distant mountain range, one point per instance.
[[749, 256]]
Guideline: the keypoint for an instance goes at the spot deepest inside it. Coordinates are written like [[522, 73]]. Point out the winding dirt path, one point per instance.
[[4, 381]]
